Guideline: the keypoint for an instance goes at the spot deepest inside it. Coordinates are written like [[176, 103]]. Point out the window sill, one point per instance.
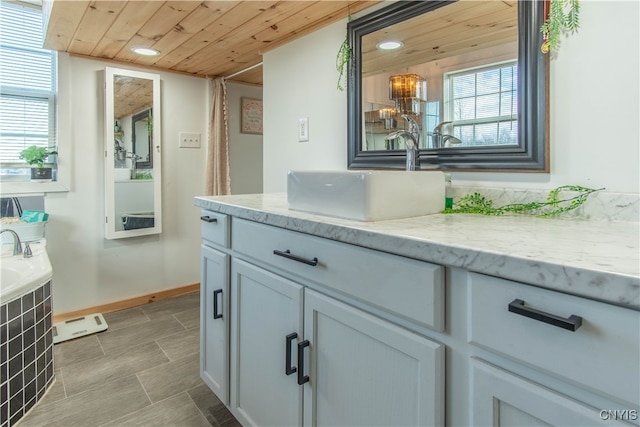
[[20, 188]]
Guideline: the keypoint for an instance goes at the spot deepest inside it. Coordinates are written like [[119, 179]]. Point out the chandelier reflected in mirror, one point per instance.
[[408, 91]]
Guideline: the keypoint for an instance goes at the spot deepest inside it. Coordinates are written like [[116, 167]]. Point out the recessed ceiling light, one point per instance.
[[389, 44], [146, 51]]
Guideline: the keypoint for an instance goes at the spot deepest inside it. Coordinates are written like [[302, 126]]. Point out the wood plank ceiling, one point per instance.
[[460, 27], [203, 38]]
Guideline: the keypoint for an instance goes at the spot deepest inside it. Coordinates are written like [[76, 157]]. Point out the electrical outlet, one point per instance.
[[303, 129], [189, 140]]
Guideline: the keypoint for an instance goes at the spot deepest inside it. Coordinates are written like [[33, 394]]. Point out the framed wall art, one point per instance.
[[251, 116]]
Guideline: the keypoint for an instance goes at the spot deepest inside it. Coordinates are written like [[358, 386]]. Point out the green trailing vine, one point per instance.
[[554, 205], [563, 17], [342, 62]]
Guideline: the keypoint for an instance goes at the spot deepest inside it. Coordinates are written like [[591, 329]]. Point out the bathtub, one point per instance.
[[26, 334], [19, 275]]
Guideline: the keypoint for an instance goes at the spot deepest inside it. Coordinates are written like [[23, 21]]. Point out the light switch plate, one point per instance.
[[189, 140], [303, 129]]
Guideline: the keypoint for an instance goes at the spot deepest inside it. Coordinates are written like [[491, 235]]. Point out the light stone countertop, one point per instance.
[[594, 259]]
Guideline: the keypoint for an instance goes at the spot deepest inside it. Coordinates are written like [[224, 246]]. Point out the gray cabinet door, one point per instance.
[[366, 371], [214, 321], [266, 308]]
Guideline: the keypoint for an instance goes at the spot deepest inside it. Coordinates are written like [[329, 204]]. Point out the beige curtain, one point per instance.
[[217, 180]]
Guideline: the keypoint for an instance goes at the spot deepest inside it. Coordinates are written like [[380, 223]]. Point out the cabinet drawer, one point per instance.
[[215, 228], [603, 353], [501, 398], [404, 287]]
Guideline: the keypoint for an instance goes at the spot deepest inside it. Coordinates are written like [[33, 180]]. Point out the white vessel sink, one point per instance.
[[366, 195]]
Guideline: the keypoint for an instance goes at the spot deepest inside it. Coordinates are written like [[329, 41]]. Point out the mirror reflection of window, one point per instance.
[[476, 93], [467, 53], [481, 104]]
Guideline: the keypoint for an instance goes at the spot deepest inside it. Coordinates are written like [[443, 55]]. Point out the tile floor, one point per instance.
[[142, 371]]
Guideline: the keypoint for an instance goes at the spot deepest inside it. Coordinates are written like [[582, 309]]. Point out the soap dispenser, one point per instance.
[[448, 192]]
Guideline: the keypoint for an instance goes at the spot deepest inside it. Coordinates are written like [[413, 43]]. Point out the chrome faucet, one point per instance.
[[134, 164], [448, 140], [412, 141], [17, 245], [436, 137], [440, 140]]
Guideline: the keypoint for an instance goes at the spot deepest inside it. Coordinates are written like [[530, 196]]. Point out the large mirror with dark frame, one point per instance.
[[469, 73], [133, 197]]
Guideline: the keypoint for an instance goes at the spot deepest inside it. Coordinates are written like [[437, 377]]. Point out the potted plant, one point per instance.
[[36, 157]]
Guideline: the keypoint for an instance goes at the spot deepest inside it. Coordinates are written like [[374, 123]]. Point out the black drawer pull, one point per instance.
[[216, 314], [288, 369], [302, 378], [572, 323], [289, 255], [208, 219]]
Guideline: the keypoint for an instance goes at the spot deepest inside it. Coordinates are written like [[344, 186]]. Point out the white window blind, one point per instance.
[[27, 85], [483, 104]]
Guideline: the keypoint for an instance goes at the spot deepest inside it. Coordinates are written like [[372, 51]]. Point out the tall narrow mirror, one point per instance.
[[132, 154]]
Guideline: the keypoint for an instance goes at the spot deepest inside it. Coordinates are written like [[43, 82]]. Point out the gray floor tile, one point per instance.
[[114, 342], [171, 306], [91, 373], [56, 391], [181, 344], [175, 411], [171, 378], [93, 408], [77, 350], [133, 343], [230, 422], [123, 318], [210, 406], [189, 318]]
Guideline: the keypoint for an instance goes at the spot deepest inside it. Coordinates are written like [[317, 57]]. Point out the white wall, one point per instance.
[[300, 80], [245, 150], [87, 269], [594, 113]]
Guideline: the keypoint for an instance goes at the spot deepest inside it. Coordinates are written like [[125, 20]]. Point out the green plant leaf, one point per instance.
[[36, 155], [554, 205], [342, 63], [564, 17]]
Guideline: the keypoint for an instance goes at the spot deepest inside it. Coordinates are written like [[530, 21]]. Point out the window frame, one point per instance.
[[448, 101], [20, 184]]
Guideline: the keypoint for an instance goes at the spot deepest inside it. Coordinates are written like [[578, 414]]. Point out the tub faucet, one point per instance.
[[412, 141], [17, 245]]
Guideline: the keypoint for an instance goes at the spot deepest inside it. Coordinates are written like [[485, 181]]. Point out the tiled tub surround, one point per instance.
[[26, 353], [594, 259]]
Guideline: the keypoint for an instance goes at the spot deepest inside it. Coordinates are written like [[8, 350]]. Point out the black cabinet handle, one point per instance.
[[289, 255], [208, 219], [288, 369], [216, 314], [572, 323], [301, 377]]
